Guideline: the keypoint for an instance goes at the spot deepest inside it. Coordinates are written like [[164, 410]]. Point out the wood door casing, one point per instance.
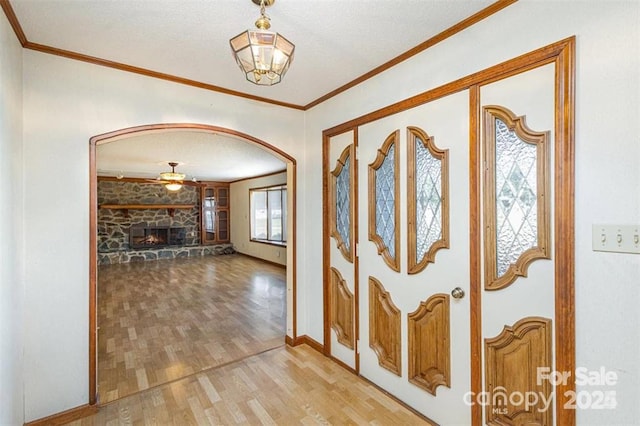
[[562, 56]]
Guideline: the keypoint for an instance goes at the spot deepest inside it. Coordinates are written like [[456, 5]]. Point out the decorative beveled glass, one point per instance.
[[517, 210], [428, 207], [342, 204], [384, 207]]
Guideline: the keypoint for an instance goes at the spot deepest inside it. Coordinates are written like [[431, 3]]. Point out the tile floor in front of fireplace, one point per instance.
[[163, 320]]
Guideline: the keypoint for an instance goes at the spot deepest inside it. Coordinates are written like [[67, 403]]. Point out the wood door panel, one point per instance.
[[384, 327], [512, 360], [342, 315], [430, 344]]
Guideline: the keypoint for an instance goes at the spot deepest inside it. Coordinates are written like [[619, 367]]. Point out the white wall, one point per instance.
[[11, 284], [607, 158], [240, 220], [65, 103]]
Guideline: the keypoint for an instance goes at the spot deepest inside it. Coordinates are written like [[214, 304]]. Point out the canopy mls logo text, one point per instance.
[[599, 397]]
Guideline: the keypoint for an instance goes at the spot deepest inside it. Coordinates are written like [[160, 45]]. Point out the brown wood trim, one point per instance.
[[288, 340], [442, 155], [562, 53], [460, 26], [565, 227], [326, 245], [259, 176], [13, 20], [277, 185], [269, 243], [540, 250], [150, 73], [93, 215], [347, 252], [534, 59], [93, 276], [270, 262], [475, 268], [293, 244], [131, 131], [256, 240], [145, 206], [65, 417], [306, 340], [391, 141], [149, 181]]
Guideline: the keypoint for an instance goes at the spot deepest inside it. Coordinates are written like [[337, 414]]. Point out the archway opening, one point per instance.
[[123, 135]]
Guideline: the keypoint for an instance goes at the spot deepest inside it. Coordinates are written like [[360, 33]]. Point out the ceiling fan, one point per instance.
[[173, 180]]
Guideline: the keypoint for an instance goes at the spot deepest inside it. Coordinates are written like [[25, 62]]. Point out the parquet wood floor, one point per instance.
[[161, 321], [282, 386]]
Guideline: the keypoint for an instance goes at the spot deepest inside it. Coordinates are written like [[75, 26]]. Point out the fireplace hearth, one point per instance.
[[156, 237]]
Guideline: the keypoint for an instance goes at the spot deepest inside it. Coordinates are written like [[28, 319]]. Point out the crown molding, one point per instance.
[[460, 26]]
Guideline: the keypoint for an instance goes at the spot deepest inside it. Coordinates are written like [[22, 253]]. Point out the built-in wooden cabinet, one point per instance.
[[214, 218]]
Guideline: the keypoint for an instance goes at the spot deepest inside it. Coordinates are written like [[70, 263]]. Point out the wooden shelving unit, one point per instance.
[[171, 208]]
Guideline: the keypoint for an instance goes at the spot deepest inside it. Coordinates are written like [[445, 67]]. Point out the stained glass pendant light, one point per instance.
[[264, 56]]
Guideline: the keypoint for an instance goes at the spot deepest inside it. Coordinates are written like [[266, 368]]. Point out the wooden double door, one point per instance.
[[441, 264]]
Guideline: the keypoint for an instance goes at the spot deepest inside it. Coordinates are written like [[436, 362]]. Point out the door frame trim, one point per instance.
[[562, 54], [93, 222]]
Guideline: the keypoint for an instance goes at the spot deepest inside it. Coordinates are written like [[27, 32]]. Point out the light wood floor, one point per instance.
[[161, 321], [281, 386]]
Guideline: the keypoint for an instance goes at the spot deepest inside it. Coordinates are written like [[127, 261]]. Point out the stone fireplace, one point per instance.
[[156, 237], [139, 235]]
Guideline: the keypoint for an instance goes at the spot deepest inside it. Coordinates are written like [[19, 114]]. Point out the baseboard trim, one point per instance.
[[262, 260], [65, 416], [306, 340]]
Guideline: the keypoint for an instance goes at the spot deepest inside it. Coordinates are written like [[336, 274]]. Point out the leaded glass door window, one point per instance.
[[516, 197], [428, 204], [384, 207], [342, 203]]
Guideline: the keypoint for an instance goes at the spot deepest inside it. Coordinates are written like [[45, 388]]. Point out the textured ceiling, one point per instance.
[[201, 155], [337, 41]]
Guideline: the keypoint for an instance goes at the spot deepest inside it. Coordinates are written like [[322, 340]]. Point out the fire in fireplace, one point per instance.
[[155, 237]]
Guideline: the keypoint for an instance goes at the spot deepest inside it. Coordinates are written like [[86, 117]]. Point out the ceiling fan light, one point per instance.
[[172, 176], [173, 186]]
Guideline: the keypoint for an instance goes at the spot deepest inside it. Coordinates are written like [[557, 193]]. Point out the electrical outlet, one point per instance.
[[616, 238]]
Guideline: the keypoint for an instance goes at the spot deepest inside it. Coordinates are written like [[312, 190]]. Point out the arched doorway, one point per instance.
[[95, 141]]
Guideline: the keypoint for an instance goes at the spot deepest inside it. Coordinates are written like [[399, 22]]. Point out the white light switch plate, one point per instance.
[[616, 238]]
